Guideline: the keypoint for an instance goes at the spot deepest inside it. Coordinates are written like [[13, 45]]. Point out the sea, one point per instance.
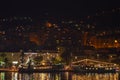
[[58, 76]]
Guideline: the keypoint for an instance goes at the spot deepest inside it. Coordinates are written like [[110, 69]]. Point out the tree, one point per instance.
[[6, 62], [3, 55]]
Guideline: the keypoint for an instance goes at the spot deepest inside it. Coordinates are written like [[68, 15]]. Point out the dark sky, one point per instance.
[[55, 7]]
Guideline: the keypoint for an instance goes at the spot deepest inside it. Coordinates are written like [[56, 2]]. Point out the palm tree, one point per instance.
[[3, 55], [6, 62]]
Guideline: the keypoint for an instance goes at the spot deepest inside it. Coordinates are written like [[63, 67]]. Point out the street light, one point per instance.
[[116, 43]]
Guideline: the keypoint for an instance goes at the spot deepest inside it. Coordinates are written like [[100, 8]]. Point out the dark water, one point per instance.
[[58, 76]]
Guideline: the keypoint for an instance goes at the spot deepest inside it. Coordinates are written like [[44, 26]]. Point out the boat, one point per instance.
[[89, 69]]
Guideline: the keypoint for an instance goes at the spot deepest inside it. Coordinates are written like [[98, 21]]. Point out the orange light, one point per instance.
[[48, 24], [115, 41]]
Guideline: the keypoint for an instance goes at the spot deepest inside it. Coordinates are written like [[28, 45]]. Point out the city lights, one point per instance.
[[60, 40]]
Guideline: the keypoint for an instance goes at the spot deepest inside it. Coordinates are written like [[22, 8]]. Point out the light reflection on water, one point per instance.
[[58, 76], [96, 76]]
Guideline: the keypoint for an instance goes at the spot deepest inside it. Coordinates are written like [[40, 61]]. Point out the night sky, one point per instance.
[[58, 10], [55, 7]]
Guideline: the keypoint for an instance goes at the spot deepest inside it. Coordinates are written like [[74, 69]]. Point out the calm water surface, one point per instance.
[[58, 76]]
